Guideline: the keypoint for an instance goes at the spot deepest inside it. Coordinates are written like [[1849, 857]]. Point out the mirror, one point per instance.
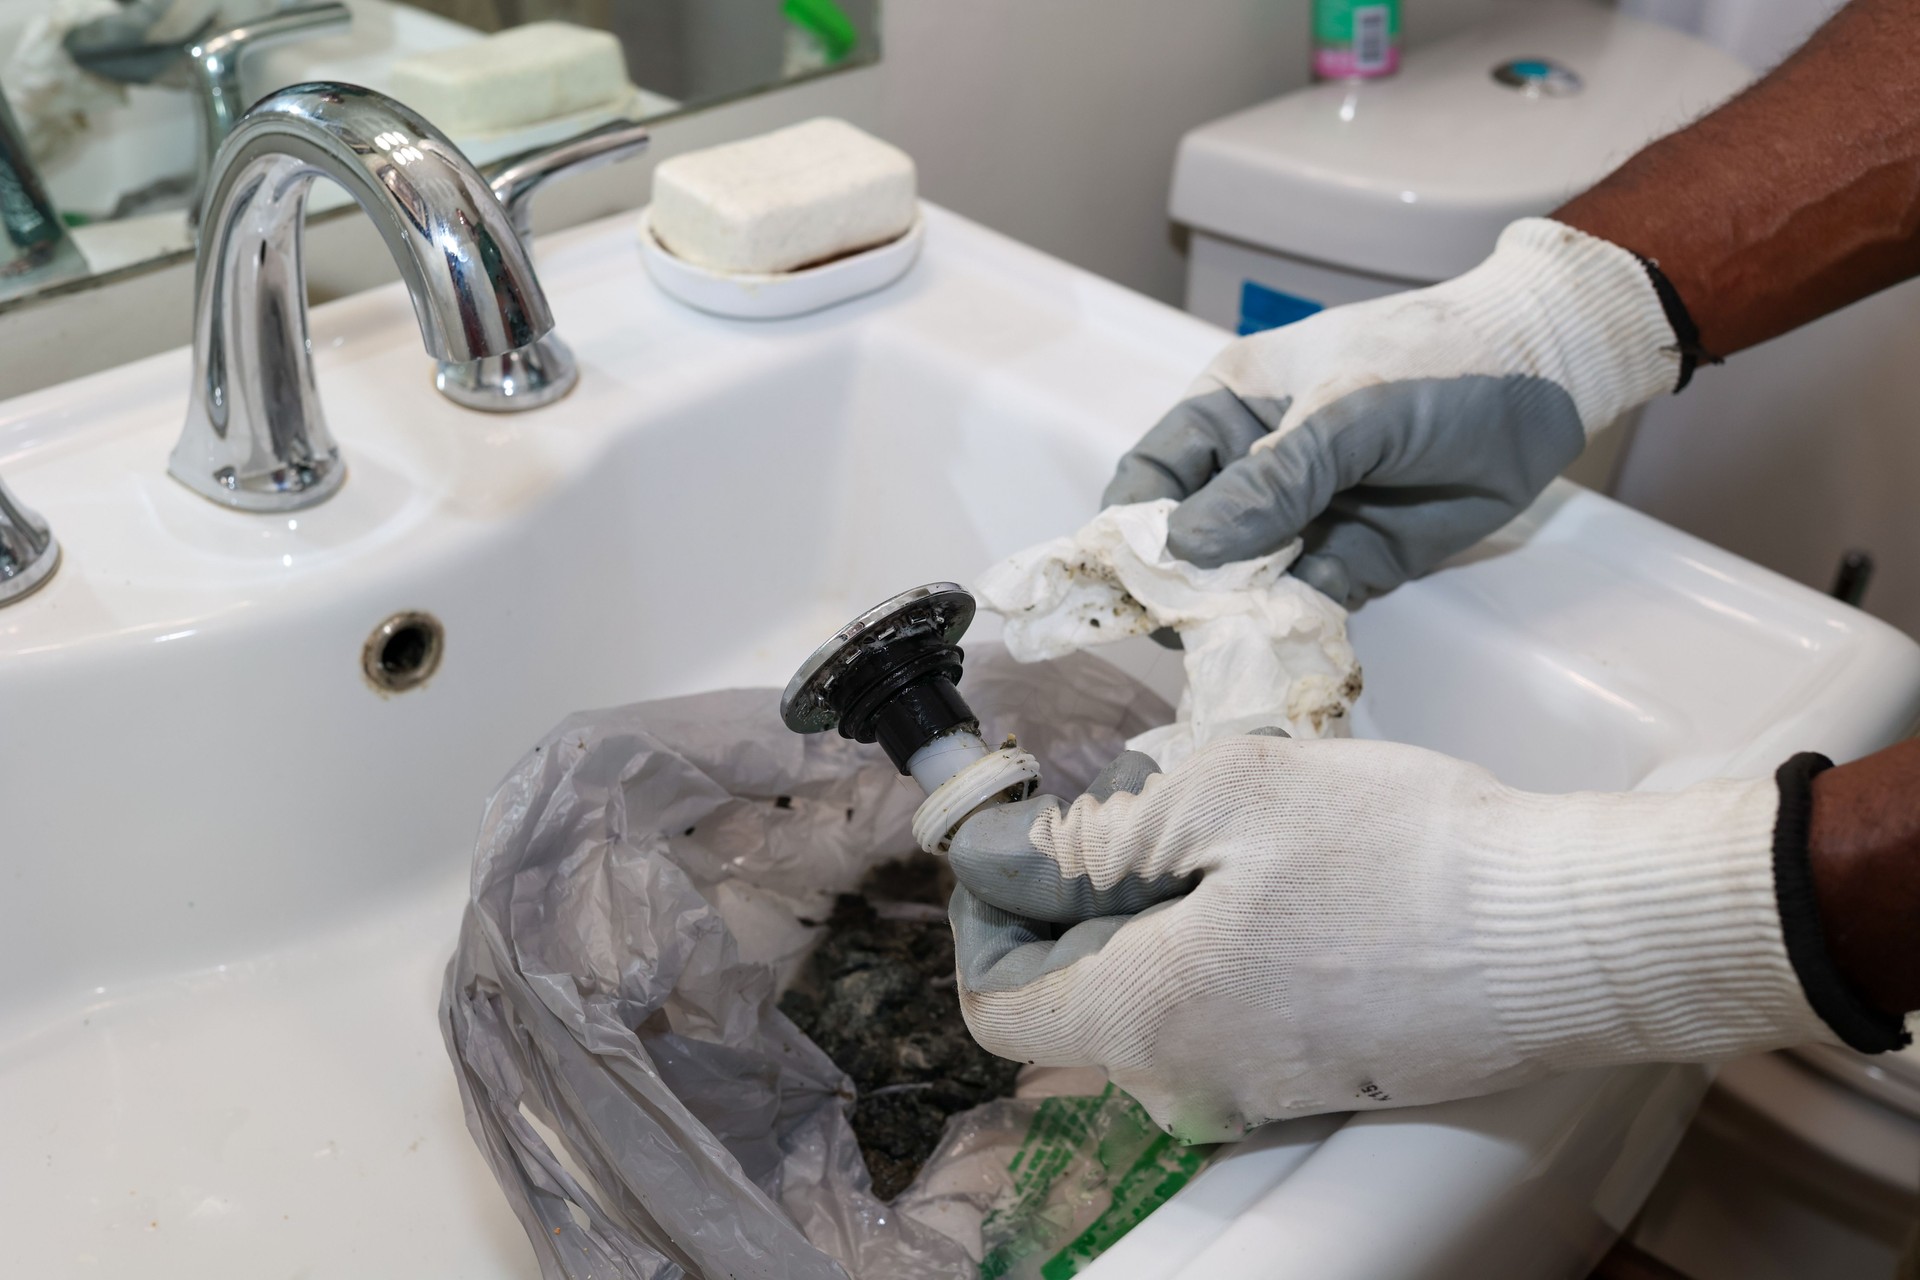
[[109, 109]]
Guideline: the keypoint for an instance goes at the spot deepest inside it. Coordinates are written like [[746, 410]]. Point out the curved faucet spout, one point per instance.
[[255, 437]]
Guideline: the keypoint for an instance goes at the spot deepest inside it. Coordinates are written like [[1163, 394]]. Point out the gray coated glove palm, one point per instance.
[[1394, 433]]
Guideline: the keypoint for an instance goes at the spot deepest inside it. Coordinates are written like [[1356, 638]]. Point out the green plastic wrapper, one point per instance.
[[1089, 1171], [1038, 1187]]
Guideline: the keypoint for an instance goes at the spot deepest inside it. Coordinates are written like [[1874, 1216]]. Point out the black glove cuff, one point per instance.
[[1840, 1005], [1686, 334]]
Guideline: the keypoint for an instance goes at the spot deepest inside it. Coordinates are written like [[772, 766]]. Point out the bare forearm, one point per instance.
[[1864, 851], [1798, 197]]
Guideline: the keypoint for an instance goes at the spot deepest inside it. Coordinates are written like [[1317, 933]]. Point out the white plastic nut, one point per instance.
[[998, 777]]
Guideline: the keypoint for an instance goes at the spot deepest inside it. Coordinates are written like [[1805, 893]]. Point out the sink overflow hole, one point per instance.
[[403, 652]]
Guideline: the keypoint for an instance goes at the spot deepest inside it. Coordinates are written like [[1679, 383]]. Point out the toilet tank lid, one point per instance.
[[1414, 176]]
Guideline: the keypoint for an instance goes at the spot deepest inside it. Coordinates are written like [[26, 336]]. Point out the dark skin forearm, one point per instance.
[[1796, 198], [1864, 846]]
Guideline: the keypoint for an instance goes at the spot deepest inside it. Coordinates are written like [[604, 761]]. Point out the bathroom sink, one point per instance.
[[233, 866]]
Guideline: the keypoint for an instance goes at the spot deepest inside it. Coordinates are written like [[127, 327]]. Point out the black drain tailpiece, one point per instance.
[[889, 675]]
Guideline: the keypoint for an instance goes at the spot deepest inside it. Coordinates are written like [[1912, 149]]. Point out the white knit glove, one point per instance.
[[1393, 433], [1348, 925]]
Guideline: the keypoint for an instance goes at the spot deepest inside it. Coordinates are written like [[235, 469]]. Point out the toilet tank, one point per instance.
[[1350, 190]]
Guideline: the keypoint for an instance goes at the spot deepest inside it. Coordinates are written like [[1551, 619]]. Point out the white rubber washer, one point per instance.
[[997, 777]]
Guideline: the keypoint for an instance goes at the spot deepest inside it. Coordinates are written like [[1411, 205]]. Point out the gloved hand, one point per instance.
[[1396, 432], [1340, 925]]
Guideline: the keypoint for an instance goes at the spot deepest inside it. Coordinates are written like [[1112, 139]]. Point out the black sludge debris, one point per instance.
[[878, 996]]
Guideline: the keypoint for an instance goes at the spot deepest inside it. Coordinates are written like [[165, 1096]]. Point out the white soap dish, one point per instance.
[[784, 293]]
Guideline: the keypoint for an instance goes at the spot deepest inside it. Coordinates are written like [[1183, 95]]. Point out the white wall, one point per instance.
[[1056, 120], [1758, 32], [1052, 120]]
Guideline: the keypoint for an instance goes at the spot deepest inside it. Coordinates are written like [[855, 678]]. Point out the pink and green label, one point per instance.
[[1355, 38]]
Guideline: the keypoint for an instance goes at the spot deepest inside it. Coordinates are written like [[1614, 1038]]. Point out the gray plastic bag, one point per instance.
[[640, 891]]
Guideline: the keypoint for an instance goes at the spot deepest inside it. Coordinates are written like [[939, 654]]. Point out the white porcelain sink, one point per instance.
[[232, 870]]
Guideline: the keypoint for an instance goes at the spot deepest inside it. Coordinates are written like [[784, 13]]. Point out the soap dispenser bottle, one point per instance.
[[1355, 39]]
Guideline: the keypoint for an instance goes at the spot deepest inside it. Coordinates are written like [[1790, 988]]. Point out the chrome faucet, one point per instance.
[[191, 44], [213, 64], [28, 552], [142, 42], [255, 437], [542, 373]]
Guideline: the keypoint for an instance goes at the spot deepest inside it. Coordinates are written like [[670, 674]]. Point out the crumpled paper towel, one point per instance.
[[1262, 647], [52, 98]]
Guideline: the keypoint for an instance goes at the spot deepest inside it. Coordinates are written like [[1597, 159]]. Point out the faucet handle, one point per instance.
[[545, 370], [516, 178], [213, 64], [28, 552]]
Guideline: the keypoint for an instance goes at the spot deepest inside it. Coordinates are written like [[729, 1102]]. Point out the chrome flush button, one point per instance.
[[1538, 78]]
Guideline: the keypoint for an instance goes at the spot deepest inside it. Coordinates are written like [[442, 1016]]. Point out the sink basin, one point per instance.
[[233, 867]]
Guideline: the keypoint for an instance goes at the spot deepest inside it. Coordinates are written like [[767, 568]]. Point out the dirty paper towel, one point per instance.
[[1262, 647]]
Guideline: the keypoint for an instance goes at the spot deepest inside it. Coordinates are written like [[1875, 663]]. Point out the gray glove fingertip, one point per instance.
[[996, 952], [984, 936], [1255, 506], [1137, 480], [993, 855], [1127, 772], [1359, 547], [1327, 574], [1190, 444]]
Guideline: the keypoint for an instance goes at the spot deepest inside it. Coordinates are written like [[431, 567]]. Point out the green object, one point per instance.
[[1356, 38], [827, 22], [1333, 19], [1089, 1171]]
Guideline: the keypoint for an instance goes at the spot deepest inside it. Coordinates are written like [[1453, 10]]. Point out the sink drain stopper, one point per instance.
[[891, 676]]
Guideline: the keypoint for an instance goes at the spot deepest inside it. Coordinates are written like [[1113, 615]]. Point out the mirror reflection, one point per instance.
[[110, 110]]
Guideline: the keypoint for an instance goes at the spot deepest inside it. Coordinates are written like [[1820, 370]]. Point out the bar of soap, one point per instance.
[[518, 77], [784, 200]]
